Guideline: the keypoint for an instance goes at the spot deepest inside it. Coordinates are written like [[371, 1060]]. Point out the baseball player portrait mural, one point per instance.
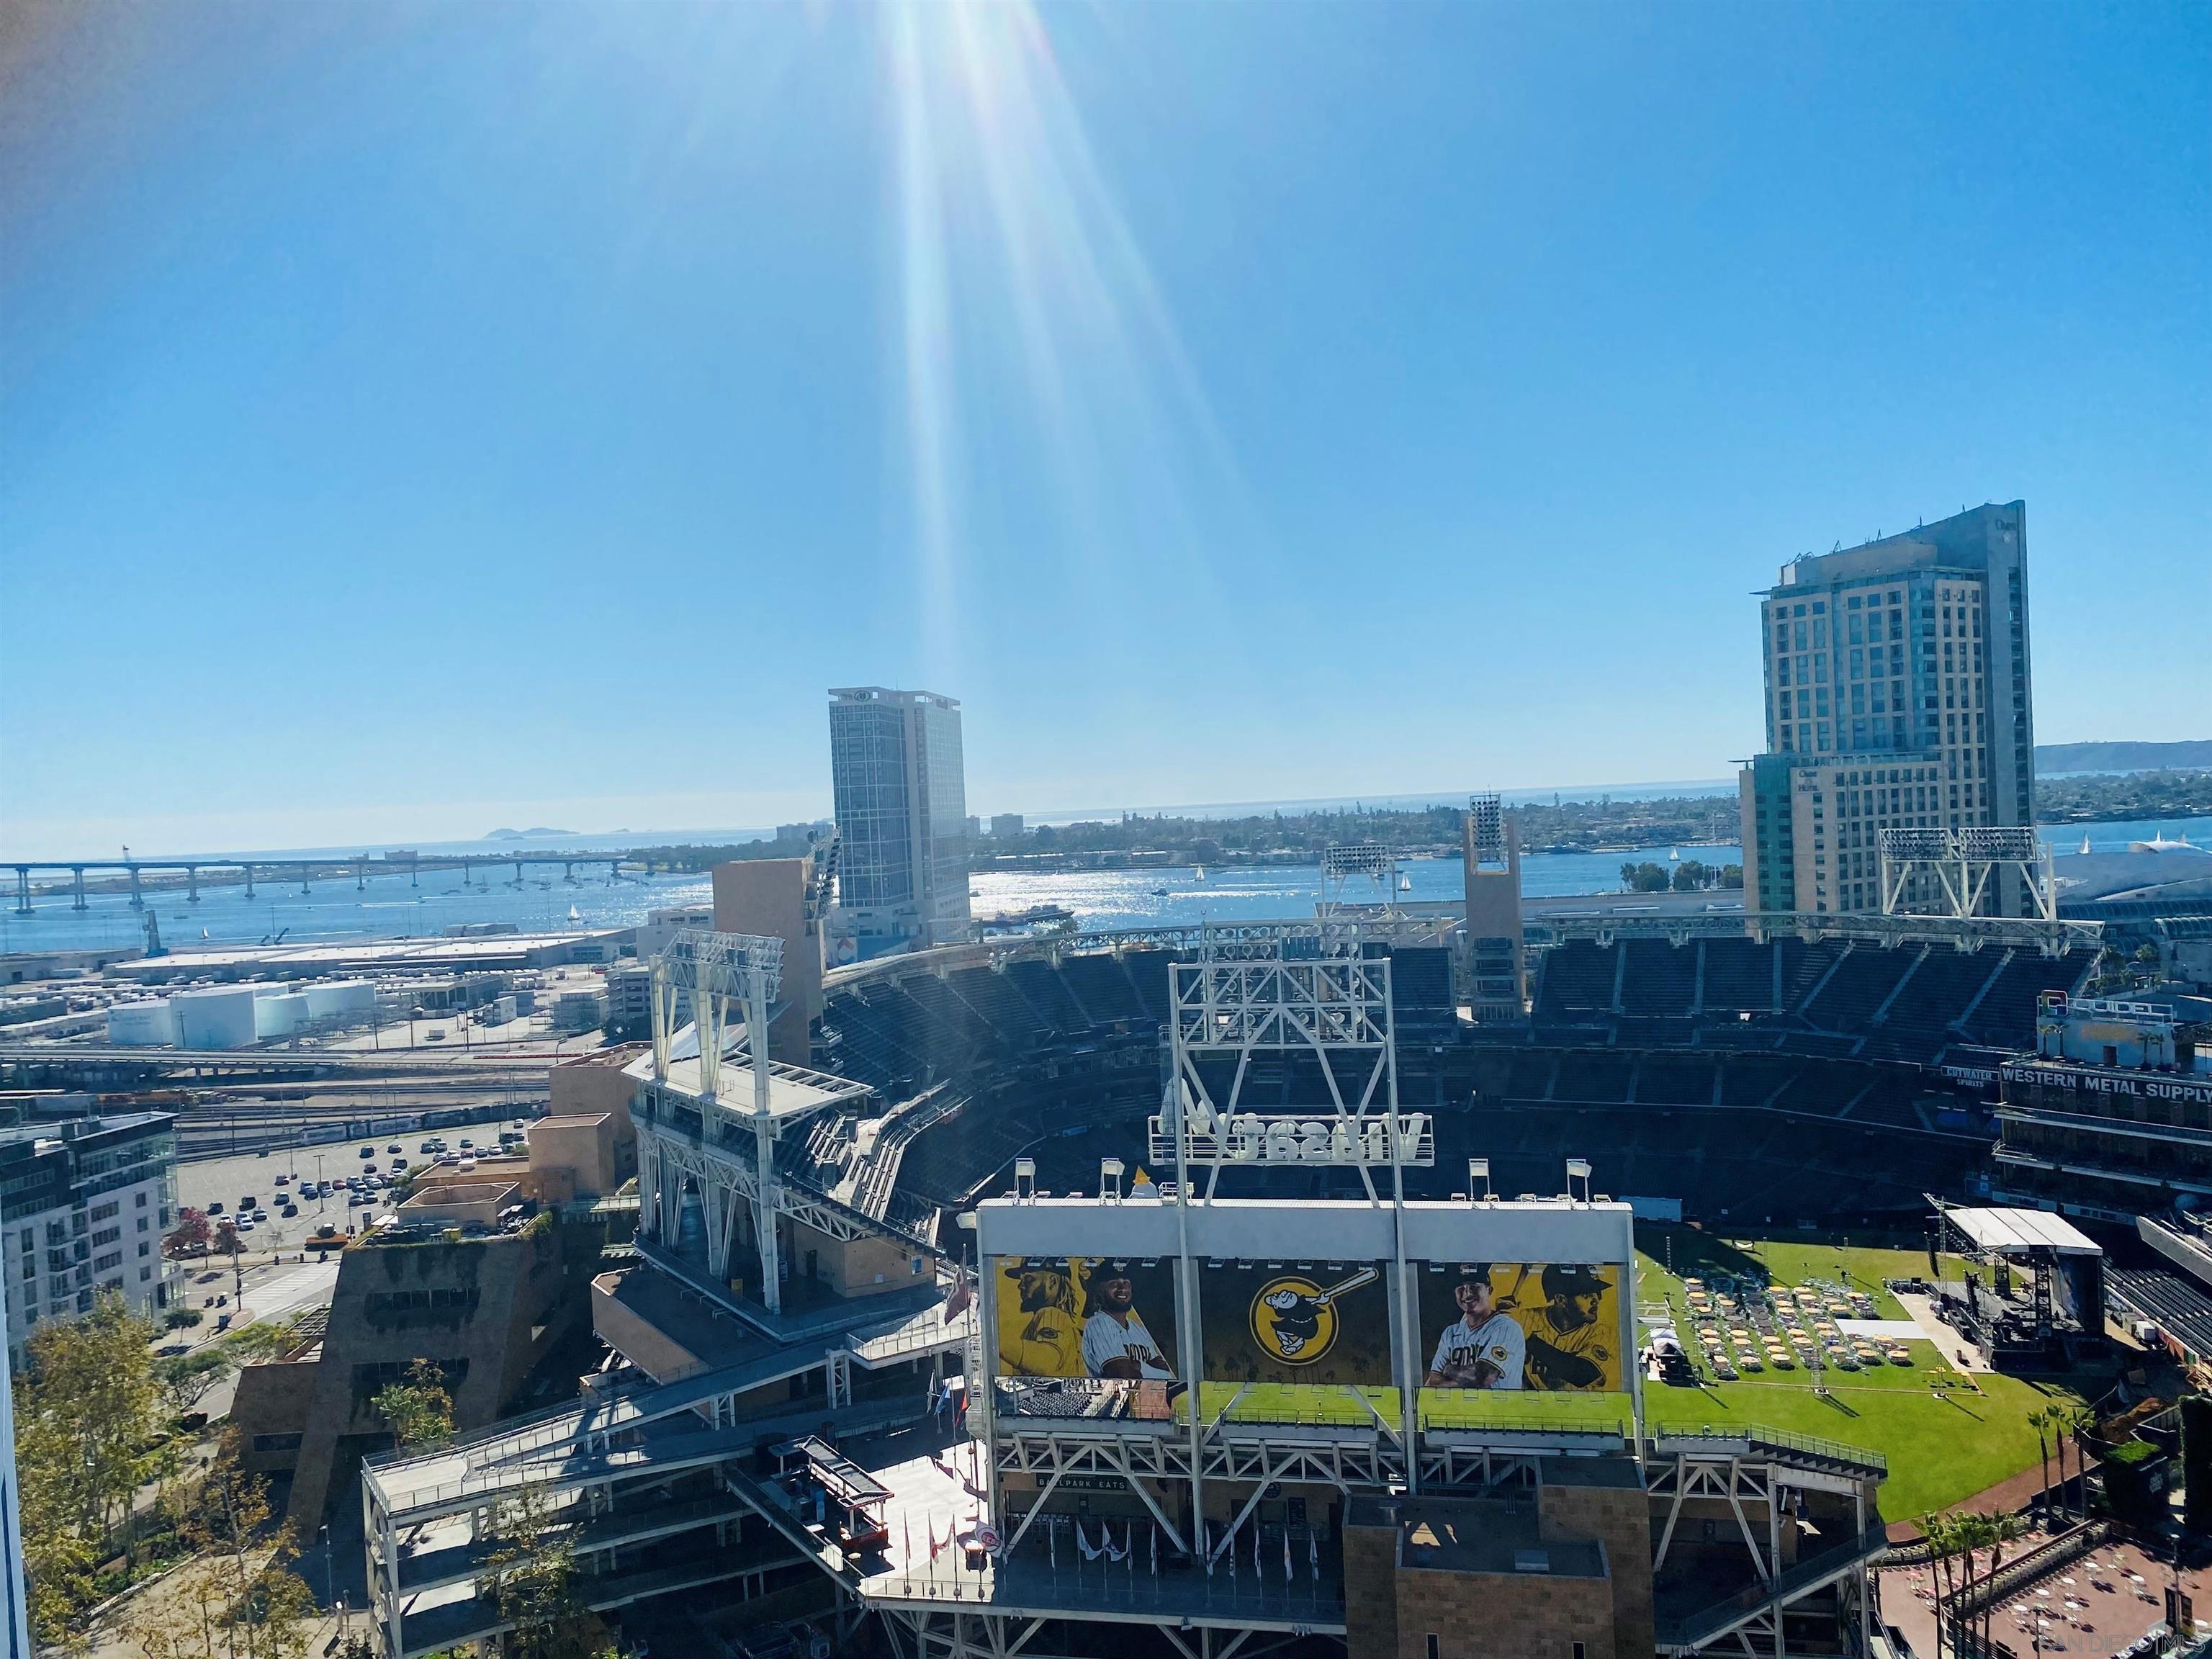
[[1521, 1326], [1085, 1316], [1499, 1325]]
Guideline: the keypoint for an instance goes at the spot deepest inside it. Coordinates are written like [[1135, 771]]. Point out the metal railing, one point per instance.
[[1696, 1629], [1128, 1586], [1758, 1436]]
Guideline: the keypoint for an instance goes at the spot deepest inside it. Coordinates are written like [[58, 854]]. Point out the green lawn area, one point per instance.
[[1941, 1450], [1943, 1444]]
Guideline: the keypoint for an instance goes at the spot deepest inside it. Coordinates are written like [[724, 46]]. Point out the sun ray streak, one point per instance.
[[932, 400]]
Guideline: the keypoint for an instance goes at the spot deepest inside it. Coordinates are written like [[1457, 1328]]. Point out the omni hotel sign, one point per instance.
[[2137, 1086]]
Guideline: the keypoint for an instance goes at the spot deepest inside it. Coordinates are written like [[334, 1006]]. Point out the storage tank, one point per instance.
[[221, 1017], [149, 1024], [280, 1013], [343, 1001]]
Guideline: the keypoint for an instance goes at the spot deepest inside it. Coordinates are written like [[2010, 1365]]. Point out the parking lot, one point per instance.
[[273, 1179]]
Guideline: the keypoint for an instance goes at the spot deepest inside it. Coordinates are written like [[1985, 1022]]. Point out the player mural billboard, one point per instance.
[[1520, 1325], [1323, 1323], [1085, 1316]]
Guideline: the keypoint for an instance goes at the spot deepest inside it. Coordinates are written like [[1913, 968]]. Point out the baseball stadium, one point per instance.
[[1260, 1290]]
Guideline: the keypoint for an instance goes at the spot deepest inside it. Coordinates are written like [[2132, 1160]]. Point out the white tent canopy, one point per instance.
[[2018, 1232]]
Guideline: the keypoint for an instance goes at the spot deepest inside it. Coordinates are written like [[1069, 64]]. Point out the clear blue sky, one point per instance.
[[423, 418]]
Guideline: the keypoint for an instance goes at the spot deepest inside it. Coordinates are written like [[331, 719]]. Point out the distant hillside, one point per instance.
[[2055, 758], [537, 833]]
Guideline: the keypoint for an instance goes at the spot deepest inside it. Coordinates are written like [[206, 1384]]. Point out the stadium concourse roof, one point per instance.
[[793, 1091], [2016, 1232]]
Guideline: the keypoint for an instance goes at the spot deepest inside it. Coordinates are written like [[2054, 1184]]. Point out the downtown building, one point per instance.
[[901, 798], [1897, 697], [84, 1204]]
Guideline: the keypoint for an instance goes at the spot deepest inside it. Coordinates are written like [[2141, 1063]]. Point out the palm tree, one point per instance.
[[2001, 1529], [2040, 1420], [1941, 1532], [2080, 1420]]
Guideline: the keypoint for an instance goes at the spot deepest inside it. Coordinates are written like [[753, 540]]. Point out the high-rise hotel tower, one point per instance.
[[1897, 697], [899, 786]]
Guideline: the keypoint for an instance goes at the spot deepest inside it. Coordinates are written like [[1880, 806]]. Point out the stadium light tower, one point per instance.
[[1342, 865], [1962, 862], [712, 971]]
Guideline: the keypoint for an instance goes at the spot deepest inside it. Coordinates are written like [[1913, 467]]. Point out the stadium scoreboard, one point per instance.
[[1508, 1297]]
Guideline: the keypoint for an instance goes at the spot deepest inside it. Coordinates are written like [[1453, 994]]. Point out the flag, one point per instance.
[[1286, 1555], [1313, 1554], [1205, 1545], [956, 1303], [1255, 1549], [1156, 1552], [1083, 1543], [1052, 1540], [1106, 1541], [906, 1537]]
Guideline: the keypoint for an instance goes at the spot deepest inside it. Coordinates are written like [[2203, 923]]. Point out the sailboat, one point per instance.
[[573, 914], [2085, 844], [1201, 873], [1405, 884]]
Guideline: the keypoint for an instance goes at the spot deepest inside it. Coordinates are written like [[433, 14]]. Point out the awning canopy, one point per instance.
[[2022, 1232]]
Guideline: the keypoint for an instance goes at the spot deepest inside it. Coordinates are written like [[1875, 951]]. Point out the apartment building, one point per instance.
[[1898, 696], [84, 1203]]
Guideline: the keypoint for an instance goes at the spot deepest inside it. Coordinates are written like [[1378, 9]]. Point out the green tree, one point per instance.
[[1941, 1533], [1998, 1530], [533, 1582], [1691, 875], [239, 1599], [88, 1435], [418, 1408], [2039, 1420], [184, 1378]]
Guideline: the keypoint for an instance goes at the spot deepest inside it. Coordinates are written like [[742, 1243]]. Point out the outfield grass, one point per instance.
[[1942, 1450], [1944, 1442]]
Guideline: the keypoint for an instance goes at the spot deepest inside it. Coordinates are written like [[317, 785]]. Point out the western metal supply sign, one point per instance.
[[2088, 1080]]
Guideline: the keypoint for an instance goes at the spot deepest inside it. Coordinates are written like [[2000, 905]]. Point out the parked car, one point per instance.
[[367, 1151], [245, 1226], [395, 1147], [216, 1208], [261, 1215], [283, 1181]]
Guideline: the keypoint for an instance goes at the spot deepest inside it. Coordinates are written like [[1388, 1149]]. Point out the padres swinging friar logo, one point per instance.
[[1294, 1318]]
